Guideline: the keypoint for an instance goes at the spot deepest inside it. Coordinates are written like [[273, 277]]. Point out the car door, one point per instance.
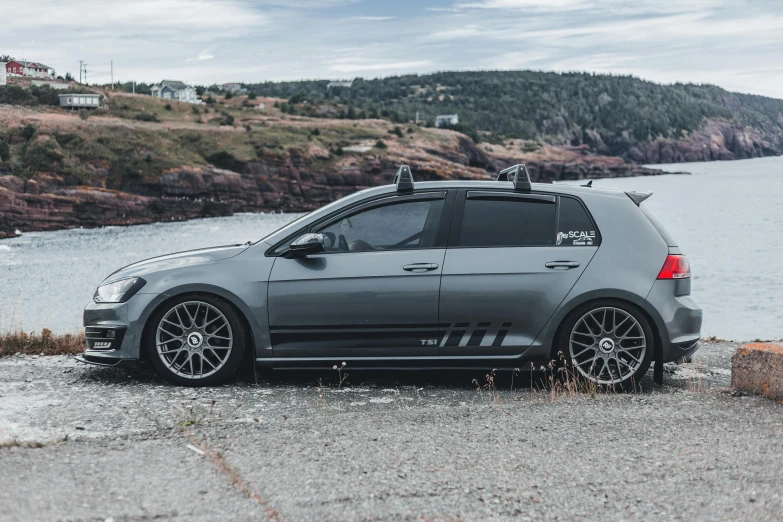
[[511, 260], [373, 292]]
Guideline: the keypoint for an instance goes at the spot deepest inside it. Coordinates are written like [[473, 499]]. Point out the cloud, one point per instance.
[[372, 18], [455, 33], [525, 4], [734, 44], [202, 56], [351, 66]]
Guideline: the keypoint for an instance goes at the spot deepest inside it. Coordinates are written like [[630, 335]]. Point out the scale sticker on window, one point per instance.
[[576, 238]]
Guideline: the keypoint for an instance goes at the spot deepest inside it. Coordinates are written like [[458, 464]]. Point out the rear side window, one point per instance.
[[507, 223], [575, 228]]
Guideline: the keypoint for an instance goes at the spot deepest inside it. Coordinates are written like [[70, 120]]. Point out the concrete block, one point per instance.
[[757, 368]]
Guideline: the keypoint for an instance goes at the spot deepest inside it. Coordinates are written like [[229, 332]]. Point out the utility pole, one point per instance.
[[81, 66], [85, 75]]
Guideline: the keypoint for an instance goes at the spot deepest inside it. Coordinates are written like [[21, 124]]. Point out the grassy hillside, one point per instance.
[[558, 108]]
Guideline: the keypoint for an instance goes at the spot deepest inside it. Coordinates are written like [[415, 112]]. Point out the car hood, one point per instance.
[[178, 260]]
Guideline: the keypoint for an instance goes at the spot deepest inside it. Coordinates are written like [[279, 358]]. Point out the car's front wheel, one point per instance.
[[609, 343], [196, 340]]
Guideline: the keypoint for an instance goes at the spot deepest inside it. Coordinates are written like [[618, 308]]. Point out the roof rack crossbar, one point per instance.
[[517, 174], [403, 179]]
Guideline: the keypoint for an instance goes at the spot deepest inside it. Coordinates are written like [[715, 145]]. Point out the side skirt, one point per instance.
[[401, 363]]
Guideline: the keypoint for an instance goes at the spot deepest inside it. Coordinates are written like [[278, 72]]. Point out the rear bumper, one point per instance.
[[679, 320]]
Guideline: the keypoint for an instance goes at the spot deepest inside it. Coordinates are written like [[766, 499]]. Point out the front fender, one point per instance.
[[249, 299]]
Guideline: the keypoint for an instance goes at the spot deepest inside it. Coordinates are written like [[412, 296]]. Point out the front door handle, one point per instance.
[[420, 267], [560, 265]]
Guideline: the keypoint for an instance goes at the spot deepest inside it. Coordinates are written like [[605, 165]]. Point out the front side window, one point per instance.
[[404, 225], [574, 226], [507, 223]]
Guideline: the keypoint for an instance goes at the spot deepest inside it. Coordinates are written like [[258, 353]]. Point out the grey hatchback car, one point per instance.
[[444, 274]]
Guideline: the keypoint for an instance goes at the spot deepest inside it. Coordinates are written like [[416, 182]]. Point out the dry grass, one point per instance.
[[43, 343]]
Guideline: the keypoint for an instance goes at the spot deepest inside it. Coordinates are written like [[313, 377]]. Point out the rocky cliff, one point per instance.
[[291, 181], [717, 140], [66, 172]]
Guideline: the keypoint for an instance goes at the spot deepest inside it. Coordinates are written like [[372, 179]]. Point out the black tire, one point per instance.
[[624, 353], [223, 369]]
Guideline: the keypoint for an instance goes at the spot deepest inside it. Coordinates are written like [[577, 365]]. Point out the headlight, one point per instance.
[[118, 291]]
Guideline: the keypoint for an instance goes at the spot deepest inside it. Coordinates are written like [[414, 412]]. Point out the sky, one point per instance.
[[736, 44]]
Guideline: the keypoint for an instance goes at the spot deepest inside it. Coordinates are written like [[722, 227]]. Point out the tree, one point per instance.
[[5, 151], [6, 58], [229, 95], [68, 77]]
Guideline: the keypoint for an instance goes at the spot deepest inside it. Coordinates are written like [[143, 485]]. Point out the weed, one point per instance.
[[146, 116], [340, 377], [489, 387], [321, 390], [696, 384], [45, 343]]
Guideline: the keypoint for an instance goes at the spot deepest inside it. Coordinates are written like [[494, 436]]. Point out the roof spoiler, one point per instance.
[[403, 179], [519, 175], [638, 197]]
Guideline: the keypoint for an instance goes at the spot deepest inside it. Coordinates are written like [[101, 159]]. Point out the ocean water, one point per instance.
[[726, 216]]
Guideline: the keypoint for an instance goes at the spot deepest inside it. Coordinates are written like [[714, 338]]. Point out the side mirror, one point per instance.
[[306, 245]]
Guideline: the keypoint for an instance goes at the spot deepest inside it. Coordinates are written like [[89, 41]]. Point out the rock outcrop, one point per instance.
[[717, 140], [292, 181]]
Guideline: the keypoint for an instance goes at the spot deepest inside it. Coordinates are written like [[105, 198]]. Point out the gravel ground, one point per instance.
[[84, 443]]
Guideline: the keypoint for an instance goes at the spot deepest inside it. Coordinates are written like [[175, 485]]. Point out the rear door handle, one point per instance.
[[562, 264], [420, 267]]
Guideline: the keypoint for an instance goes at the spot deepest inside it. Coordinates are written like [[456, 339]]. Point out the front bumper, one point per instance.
[[680, 320], [114, 330]]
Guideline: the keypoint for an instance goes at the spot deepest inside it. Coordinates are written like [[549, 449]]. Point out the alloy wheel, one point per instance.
[[607, 345], [194, 340]]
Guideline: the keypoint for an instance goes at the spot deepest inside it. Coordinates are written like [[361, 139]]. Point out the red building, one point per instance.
[[24, 68]]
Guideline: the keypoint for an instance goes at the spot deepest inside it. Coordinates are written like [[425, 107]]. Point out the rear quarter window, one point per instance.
[[575, 228]]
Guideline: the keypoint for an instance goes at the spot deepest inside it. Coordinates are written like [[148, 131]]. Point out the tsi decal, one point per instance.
[[577, 237]]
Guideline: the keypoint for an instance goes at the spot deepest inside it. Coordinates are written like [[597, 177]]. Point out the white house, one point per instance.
[[446, 119], [2, 73], [175, 90], [80, 101], [60, 86], [234, 88]]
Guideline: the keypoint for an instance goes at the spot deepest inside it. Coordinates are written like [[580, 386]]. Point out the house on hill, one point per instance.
[[175, 90], [30, 69], [234, 88], [446, 119]]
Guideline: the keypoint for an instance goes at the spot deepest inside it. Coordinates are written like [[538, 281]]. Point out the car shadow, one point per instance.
[[453, 379]]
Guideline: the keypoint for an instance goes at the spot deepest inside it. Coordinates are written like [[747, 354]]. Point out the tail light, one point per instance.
[[675, 267]]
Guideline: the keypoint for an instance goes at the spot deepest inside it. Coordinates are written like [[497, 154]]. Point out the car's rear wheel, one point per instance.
[[609, 343], [196, 340]]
